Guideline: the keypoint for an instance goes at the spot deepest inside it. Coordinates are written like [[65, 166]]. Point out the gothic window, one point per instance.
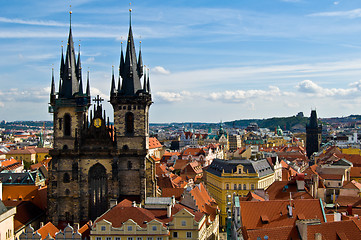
[[60, 123], [129, 122], [67, 125], [244, 187], [75, 171], [129, 165], [65, 147], [98, 189], [66, 178]]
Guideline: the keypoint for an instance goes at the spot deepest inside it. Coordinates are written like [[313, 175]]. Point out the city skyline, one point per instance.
[[209, 61]]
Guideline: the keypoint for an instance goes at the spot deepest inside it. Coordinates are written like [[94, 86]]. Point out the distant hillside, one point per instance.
[[286, 123]]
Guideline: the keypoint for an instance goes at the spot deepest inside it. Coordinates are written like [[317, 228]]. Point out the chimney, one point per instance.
[[318, 236], [134, 204], [113, 202], [169, 211], [290, 209], [349, 210], [336, 217], [173, 200]]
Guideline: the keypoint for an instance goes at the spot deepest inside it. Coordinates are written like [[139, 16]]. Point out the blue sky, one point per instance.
[[209, 60]]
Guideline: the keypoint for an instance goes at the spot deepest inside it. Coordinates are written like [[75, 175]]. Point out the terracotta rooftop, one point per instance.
[[154, 143], [277, 212], [280, 190], [332, 176], [48, 228], [355, 172], [279, 233], [335, 230], [119, 214], [176, 192]]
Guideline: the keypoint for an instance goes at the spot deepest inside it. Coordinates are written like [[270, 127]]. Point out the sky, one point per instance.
[[209, 61]]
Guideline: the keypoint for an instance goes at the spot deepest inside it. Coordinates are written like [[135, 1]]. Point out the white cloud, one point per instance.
[[160, 70], [355, 13], [309, 87], [172, 96]]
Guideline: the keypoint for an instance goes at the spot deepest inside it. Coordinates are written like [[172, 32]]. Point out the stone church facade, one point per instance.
[[93, 162]]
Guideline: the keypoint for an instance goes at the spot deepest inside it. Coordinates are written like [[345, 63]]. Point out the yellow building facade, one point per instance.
[[227, 177], [154, 224]]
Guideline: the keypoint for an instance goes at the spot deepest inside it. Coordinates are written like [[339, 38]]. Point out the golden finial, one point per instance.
[[70, 10]]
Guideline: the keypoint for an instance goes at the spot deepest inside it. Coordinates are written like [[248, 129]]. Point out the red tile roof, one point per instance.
[[277, 212], [48, 228], [280, 190], [176, 192], [341, 230], [120, 214], [154, 143], [355, 172], [279, 233]]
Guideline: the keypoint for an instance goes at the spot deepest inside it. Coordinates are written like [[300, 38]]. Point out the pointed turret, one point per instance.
[[140, 62], [148, 83], [62, 61], [131, 79], [121, 64], [78, 66], [52, 92], [145, 81], [118, 89], [88, 88], [81, 87], [70, 79], [112, 89]]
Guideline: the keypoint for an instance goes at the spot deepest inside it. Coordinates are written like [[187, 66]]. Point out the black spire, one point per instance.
[[70, 84], [118, 84], [52, 92], [131, 79], [112, 89], [81, 87], [78, 66], [88, 88], [140, 62], [121, 64], [62, 61], [148, 83], [145, 81]]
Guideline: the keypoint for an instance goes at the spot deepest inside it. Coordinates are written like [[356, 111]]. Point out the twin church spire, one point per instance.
[[131, 70], [70, 82]]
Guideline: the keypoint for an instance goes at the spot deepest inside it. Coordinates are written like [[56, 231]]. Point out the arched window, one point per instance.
[[67, 125], [239, 186], [244, 187], [66, 178], [235, 187], [129, 122]]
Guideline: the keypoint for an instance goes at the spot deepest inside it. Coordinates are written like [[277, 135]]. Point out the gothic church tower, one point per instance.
[[131, 103], [95, 163], [313, 134]]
